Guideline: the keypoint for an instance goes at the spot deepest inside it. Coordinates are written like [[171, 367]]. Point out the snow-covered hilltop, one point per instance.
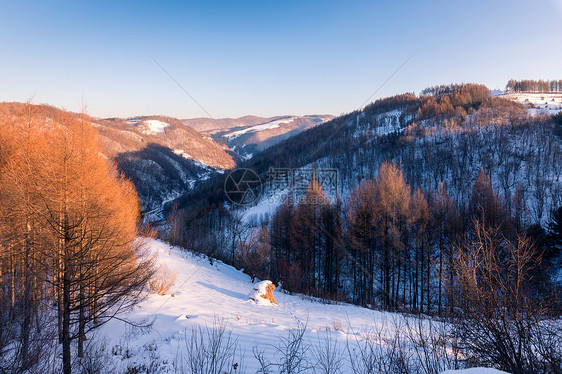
[[544, 102]]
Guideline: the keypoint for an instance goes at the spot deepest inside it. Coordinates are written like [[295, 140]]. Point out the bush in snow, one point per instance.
[[291, 353], [212, 350], [162, 280], [327, 355]]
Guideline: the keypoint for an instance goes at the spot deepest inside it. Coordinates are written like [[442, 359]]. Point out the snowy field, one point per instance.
[[540, 103], [149, 126], [205, 295]]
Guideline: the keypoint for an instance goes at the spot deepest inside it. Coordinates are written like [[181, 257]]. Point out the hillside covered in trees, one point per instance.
[[162, 156], [69, 255], [447, 204], [528, 85]]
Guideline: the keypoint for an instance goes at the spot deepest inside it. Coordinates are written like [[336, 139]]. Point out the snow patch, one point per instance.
[[475, 371], [154, 126], [182, 153], [262, 127], [539, 103]]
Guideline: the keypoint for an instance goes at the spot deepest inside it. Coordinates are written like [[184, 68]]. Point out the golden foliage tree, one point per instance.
[[72, 221], [361, 218], [392, 218]]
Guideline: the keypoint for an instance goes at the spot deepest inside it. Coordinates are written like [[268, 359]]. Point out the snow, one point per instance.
[[151, 126], [383, 124], [475, 371], [259, 289], [205, 293], [261, 127], [539, 103], [182, 153], [265, 206], [187, 156], [154, 126]]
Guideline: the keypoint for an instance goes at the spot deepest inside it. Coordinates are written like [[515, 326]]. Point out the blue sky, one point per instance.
[[265, 57]]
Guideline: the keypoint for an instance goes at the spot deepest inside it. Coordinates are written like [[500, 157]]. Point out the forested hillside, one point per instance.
[[448, 204], [435, 138], [162, 156], [529, 85], [69, 255], [447, 156]]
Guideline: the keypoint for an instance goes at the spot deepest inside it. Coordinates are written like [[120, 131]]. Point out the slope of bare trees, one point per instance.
[[499, 319]]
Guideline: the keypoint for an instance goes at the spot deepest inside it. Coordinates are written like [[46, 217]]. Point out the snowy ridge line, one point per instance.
[[261, 127]]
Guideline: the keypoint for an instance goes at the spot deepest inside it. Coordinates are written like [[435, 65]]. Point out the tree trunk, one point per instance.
[[82, 322], [66, 359], [27, 312]]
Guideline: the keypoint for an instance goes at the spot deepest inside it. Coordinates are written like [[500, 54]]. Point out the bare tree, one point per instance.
[[498, 321], [327, 355], [291, 350], [254, 253], [212, 350]]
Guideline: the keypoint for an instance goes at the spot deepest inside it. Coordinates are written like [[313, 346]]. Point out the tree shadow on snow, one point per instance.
[[224, 291]]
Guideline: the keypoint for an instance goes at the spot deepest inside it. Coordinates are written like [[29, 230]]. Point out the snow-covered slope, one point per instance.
[[162, 156], [275, 124], [204, 293], [547, 103], [154, 126]]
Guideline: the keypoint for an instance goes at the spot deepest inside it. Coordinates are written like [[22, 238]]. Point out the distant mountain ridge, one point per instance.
[[166, 157], [165, 131], [163, 157], [250, 135], [209, 125]]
